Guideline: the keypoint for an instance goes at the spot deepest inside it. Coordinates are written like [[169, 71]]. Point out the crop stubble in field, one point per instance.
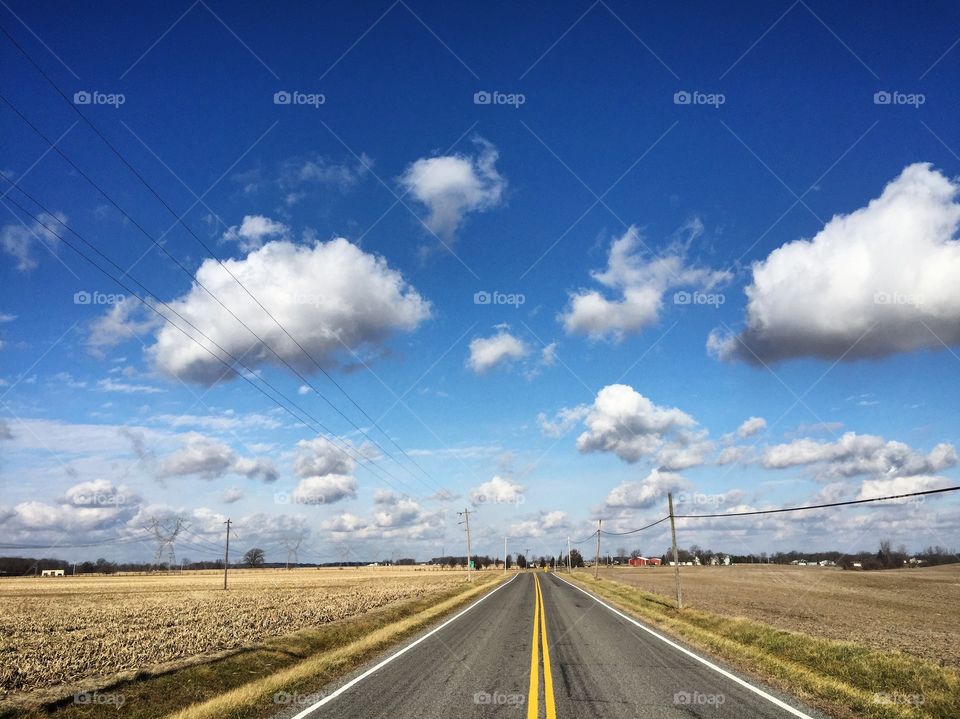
[[915, 611], [55, 631]]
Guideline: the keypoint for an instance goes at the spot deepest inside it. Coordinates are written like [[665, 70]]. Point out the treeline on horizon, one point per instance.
[[885, 557]]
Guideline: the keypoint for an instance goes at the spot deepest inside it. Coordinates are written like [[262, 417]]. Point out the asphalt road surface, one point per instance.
[[538, 646]]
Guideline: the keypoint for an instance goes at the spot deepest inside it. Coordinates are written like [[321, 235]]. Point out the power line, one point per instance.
[[369, 463], [186, 271], [819, 506], [634, 531], [179, 219]]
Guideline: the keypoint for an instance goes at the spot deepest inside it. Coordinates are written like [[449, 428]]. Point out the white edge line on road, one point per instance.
[[330, 697], [756, 690]]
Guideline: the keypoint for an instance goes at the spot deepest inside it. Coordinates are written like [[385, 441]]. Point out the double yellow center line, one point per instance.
[[540, 626]]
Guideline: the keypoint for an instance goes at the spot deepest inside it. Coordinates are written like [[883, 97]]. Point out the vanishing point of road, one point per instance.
[[539, 646]]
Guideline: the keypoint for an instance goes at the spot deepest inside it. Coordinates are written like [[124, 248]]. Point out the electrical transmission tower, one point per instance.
[[293, 544], [165, 535]]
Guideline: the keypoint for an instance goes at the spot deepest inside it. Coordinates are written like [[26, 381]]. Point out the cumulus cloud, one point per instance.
[[250, 234], [878, 281], [651, 489], [871, 488], [124, 320], [5, 431], [210, 459], [638, 285], [488, 352], [624, 422], [451, 186], [498, 490], [231, 495], [542, 524], [20, 241], [563, 421], [327, 489], [862, 454], [85, 507], [321, 456], [751, 426], [329, 295]]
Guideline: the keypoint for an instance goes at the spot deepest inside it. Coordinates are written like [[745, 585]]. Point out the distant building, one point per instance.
[[645, 561], [51, 572]]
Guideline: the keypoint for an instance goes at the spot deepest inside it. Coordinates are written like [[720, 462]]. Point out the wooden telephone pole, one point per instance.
[[226, 556], [676, 560]]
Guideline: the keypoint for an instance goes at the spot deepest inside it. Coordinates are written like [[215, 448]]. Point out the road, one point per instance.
[[538, 646]]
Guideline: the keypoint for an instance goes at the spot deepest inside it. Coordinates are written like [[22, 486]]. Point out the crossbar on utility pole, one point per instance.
[[466, 521], [596, 564], [676, 560], [226, 556]]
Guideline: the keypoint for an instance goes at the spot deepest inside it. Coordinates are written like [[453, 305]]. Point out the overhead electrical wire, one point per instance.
[[179, 219]]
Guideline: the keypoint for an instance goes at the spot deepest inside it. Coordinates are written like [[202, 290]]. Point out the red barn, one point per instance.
[[645, 561]]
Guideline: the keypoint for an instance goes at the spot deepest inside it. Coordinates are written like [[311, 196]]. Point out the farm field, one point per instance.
[[915, 611], [68, 632]]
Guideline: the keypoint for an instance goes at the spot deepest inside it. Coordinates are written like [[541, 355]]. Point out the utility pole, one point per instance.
[[466, 521], [504, 555], [226, 556], [596, 564], [569, 562], [676, 560]]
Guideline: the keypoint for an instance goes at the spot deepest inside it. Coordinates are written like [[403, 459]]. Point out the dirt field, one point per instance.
[[916, 611], [58, 631]]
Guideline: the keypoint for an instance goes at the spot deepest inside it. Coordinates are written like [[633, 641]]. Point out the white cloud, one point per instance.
[[878, 281], [488, 352], [20, 240], [640, 284], [210, 459], [537, 527], [320, 456], [624, 422], [451, 186], [729, 455], [651, 489], [231, 495], [563, 421], [124, 320], [863, 454], [6, 317], [498, 490], [110, 385], [254, 231], [327, 489], [751, 426], [329, 296], [900, 485]]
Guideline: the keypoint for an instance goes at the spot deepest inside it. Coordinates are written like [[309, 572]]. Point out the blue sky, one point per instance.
[[803, 200]]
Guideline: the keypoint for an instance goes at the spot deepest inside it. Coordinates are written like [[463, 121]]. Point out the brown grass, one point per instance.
[[64, 634], [915, 611]]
